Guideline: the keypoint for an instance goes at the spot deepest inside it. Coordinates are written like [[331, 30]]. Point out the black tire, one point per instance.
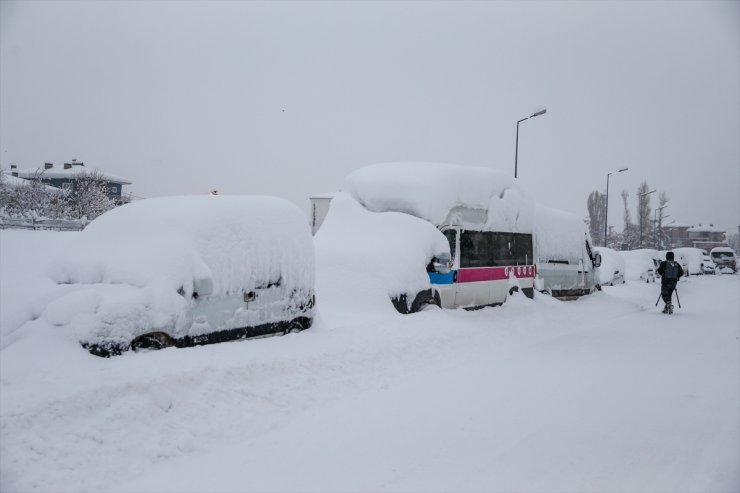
[[425, 299], [298, 325], [152, 341]]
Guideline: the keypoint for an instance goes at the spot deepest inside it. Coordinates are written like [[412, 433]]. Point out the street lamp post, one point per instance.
[[606, 211], [641, 195], [516, 151]]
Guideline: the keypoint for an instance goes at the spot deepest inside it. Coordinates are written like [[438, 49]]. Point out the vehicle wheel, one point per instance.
[[294, 326], [152, 340], [425, 299]]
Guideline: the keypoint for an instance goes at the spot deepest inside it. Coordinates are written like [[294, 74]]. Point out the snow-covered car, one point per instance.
[[725, 259], [187, 271], [640, 264], [368, 258], [692, 260], [708, 266], [567, 265], [612, 269]]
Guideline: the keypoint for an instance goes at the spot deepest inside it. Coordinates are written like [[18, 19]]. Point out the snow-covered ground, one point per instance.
[[600, 394]]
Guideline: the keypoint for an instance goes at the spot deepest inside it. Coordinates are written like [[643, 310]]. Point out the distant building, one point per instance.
[[701, 236], [66, 177], [707, 237], [678, 235]]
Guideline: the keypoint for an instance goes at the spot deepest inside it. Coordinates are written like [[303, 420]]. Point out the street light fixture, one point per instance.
[[641, 195], [606, 212], [516, 151]]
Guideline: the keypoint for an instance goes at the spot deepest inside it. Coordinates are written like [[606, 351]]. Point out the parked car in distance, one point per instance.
[[640, 264], [693, 259], [187, 271], [612, 269], [725, 259], [708, 266]]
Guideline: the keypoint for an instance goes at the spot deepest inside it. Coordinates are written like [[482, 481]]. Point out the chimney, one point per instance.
[[48, 165], [14, 170]]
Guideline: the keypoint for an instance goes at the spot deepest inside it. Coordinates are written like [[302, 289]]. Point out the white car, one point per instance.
[[708, 266], [725, 258], [612, 269], [640, 264], [186, 271]]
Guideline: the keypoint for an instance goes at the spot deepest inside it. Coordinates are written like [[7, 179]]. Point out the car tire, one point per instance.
[[153, 341], [426, 299]]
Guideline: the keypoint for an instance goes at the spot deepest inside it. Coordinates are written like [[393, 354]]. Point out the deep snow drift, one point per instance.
[[601, 394]]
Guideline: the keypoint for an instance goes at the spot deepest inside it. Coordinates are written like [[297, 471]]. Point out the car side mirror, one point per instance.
[[442, 263], [597, 260]]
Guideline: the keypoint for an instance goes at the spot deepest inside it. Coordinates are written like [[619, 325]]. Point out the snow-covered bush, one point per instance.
[[31, 199]]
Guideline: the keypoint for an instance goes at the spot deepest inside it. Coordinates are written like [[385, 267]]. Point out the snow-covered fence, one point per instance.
[[43, 224]]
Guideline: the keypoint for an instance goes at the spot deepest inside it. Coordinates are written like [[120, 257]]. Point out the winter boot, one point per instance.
[[670, 308], [665, 308]]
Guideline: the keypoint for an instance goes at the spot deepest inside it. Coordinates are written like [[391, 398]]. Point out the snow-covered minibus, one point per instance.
[[567, 266], [485, 217]]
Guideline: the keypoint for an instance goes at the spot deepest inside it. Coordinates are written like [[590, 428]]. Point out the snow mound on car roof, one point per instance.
[[558, 235], [444, 194], [237, 242], [366, 257]]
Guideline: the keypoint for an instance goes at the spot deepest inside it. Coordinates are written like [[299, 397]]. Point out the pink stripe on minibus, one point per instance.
[[495, 273]]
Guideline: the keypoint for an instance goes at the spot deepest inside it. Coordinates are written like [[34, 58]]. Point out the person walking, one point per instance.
[[670, 272]]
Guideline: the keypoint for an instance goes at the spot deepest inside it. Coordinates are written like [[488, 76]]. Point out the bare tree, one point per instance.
[[628, 239], [596, 205], [643, 211], [661, 238]]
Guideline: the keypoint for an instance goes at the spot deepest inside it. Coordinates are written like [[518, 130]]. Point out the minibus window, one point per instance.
[[476, 249], [489, 249], [523, 249], [451, 236]]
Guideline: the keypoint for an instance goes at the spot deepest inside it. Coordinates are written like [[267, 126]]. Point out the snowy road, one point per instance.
[[601, 394]]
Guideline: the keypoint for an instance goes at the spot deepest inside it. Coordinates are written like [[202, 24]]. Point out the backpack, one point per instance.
[[671, 270]]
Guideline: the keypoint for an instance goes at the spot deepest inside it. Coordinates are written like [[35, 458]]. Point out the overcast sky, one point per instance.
[[287, 98]]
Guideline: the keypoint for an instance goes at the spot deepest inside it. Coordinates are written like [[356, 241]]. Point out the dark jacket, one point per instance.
[[662, 268]]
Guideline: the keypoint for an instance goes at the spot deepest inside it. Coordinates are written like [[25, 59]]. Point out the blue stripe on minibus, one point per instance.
[[437, 278]]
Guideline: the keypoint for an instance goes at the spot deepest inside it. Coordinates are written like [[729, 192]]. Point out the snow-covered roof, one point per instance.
[[59, 172], [327, 195], [706, 229], [21, 182], [444, 194]]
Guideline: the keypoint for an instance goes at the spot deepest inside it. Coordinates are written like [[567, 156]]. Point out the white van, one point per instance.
[[567, 266]]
